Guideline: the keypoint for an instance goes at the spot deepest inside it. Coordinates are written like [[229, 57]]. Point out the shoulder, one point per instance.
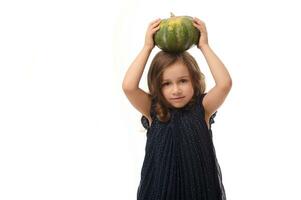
[[214, 98]]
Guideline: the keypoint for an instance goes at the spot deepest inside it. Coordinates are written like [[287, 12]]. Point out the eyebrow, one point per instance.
[[178, 78]]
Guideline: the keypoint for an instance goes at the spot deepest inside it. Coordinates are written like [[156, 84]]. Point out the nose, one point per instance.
[[176, 90]]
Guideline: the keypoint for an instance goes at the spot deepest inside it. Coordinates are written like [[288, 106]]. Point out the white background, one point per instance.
[[67, 131]]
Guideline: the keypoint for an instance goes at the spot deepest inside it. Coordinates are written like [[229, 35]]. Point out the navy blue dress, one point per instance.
[[180, 161]]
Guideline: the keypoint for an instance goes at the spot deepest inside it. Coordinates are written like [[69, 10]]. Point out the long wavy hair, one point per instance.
[[160, 62]]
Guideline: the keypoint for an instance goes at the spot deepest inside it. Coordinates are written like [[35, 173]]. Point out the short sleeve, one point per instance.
[[211, 120], [144, 120]]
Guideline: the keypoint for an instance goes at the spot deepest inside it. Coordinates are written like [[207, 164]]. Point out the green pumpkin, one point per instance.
[[176, 34]]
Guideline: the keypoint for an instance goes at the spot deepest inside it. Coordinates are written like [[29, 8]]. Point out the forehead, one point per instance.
[[175, 71]]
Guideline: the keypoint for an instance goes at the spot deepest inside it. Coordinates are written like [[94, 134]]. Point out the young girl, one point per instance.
[[180, 161]]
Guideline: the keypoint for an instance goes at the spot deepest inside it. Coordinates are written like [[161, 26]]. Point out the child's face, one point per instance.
[[176, 85]]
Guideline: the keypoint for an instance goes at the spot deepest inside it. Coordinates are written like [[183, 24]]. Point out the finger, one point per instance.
[[200, 28], [155, 27], [155, 30], [200, 24], [196, 25], [197, 20], [155, 21], [152, 26]]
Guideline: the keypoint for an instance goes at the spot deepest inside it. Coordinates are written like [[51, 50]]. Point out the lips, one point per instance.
[[177, 98]]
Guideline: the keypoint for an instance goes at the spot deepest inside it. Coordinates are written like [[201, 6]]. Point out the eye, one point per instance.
[[166, 83], [183, 80]]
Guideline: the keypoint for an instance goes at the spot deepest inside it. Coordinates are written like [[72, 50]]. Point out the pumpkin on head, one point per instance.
[[176, 34]]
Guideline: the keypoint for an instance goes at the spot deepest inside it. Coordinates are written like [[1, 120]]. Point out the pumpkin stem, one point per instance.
[[171, 14]]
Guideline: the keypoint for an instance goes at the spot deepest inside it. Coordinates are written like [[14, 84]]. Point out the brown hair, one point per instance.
[[160, 62]]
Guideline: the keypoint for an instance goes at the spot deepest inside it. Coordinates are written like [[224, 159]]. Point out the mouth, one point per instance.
[[178, 98]]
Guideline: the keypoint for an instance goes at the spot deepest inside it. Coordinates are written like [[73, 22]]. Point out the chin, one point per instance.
[[178, 105]]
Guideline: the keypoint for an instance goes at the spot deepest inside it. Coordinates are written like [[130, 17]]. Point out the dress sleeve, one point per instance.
[[144, 120], [211, 120]]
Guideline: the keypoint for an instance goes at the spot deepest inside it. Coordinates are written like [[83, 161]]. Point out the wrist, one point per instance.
[[147, 48], [204, 46]]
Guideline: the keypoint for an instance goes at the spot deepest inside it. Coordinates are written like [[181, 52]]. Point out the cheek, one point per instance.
[[165, 92], [189, 88]]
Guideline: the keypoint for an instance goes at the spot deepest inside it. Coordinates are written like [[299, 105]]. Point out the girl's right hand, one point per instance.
[[151, 30]]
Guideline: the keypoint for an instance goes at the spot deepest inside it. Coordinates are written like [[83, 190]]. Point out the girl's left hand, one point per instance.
[[199, 24]]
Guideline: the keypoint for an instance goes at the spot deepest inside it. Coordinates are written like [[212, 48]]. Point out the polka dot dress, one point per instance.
[[180, 161]]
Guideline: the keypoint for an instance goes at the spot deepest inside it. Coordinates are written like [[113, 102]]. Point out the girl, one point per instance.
[[180, 161]]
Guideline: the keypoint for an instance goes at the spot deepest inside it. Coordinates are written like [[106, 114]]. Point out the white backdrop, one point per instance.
[[67, 131]]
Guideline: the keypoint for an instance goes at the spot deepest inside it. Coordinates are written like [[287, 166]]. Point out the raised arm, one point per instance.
[[218, 70], [135, 71], [223, 82], [139, 98]]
